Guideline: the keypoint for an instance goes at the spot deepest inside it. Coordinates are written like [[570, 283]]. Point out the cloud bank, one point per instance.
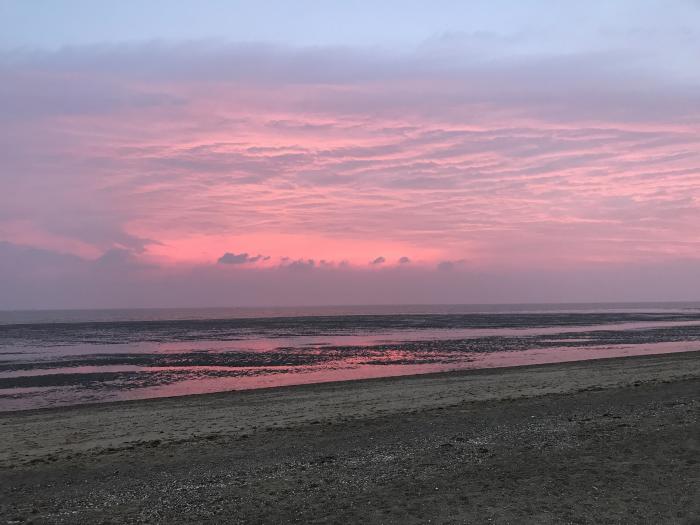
[[151, 157], [46, 279]]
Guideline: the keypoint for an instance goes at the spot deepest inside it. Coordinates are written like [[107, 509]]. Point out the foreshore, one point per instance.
[[609, 440]]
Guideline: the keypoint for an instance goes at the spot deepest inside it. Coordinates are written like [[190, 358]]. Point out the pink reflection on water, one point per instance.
[[188, 380], [355, 369]]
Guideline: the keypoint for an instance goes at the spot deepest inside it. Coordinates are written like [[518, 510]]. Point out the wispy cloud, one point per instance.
[[170, 152]]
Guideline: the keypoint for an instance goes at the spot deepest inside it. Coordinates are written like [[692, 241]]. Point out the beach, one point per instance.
[[602, 441], [349, 262]]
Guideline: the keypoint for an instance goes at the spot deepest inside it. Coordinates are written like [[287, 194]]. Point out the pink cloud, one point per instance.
[[338, 155]]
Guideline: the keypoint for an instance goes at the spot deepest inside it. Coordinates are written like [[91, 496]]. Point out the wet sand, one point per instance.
[[46, 365], [605, 441]]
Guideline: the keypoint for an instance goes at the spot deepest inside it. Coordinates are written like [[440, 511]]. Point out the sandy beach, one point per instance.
[[331, 262], [604, 441]]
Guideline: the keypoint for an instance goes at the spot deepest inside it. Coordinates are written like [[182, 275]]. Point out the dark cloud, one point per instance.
[[449, 265], [116, 257], [404, 260], [445, 265], [298, 264], [241, 258], [18, 259], [379, 260]]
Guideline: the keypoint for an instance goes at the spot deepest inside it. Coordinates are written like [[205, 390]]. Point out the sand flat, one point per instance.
[[565, 442]]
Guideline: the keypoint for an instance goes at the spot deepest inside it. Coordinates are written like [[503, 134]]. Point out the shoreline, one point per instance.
[[339, 383], [604, 441], [40, 435], [165, 363]]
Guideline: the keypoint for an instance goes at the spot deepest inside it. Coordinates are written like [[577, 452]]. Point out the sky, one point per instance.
[[222, 153]]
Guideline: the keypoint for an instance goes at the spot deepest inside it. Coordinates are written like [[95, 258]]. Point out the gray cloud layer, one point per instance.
[[45, 279]]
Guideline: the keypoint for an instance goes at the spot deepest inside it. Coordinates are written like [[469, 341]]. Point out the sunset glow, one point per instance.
[[460, 151]]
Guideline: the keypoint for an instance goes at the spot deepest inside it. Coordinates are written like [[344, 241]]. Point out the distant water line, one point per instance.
[[64, 358]]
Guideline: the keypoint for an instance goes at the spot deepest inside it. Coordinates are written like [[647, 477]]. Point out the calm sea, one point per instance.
[[64, 357]]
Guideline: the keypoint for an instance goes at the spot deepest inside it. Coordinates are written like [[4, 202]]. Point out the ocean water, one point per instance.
[[53, 358]]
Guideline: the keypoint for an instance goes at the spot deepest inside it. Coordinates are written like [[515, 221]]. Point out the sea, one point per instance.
[[68, 357]]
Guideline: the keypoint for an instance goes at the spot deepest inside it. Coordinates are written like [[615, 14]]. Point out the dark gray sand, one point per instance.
[[607, 441]]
